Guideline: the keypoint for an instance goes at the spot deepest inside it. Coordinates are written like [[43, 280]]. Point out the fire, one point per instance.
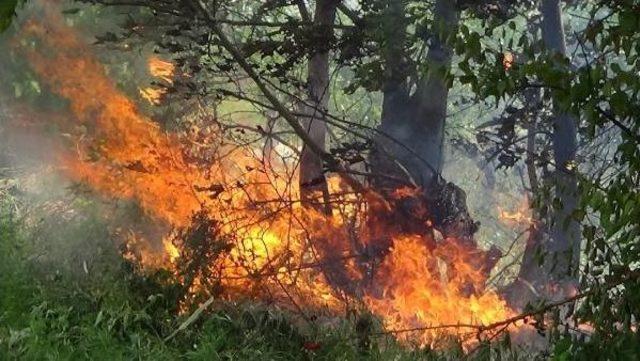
[[245, 209], [152, 95], [522, 216], [161, 69], [507, 60], [418, 294], [519, 217], [170, 250]]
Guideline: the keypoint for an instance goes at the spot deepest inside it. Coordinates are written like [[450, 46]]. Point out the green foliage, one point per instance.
[[7, 11], [607, 93], [52, 316], [601, 87], [50, 310], [118, 314], [626, 346]]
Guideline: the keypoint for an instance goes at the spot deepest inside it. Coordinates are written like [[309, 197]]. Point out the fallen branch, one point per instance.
[[194, 316]]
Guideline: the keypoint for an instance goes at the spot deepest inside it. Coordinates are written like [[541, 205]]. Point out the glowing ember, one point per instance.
[[517, 217], [171, 250], [278, 249], [507, 60]]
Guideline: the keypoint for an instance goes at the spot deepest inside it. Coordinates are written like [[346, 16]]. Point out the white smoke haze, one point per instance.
[[69, 227]]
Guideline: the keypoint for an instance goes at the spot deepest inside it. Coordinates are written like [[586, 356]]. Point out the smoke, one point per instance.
[[69, 227], [492, 195]]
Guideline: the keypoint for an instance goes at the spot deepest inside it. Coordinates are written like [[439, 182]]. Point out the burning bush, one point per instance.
[[240, 230]]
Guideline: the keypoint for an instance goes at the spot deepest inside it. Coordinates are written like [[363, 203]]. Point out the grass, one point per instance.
[[49, 311]]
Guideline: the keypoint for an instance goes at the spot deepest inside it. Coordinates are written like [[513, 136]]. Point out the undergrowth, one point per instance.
[[113, 313]]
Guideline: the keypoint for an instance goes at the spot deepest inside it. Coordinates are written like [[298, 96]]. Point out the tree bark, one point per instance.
[[415, 122], [395, 96], [410, 144], [313, 185], [525, 287], [551, 256], [563, 247]]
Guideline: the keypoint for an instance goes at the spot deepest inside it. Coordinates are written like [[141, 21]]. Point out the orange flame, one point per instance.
[[278, 248], [418, 294], [161, 69], [522, 216], [152, 95], [517, 217], [507, 60]]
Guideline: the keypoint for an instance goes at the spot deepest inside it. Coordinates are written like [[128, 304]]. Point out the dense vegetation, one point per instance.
[[113, 313], [474, 105]]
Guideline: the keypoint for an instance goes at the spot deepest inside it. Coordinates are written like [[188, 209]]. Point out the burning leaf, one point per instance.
[[507, 60]]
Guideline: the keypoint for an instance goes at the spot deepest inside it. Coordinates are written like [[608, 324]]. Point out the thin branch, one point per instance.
[[351, 14], [619, 124], [331, 162]]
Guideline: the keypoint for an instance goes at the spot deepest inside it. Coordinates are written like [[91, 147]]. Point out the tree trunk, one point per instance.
[[313, 184], [409, 148], [395, 97], [563, 247], [551, 255], [525, 286], [432, 94], [415, 122], [314, 190]]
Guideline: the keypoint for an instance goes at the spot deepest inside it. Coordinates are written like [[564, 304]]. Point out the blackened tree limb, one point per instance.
[[351, 14]]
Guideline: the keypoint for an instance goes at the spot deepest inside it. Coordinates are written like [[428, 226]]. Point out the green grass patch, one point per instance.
[[114, 313]]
